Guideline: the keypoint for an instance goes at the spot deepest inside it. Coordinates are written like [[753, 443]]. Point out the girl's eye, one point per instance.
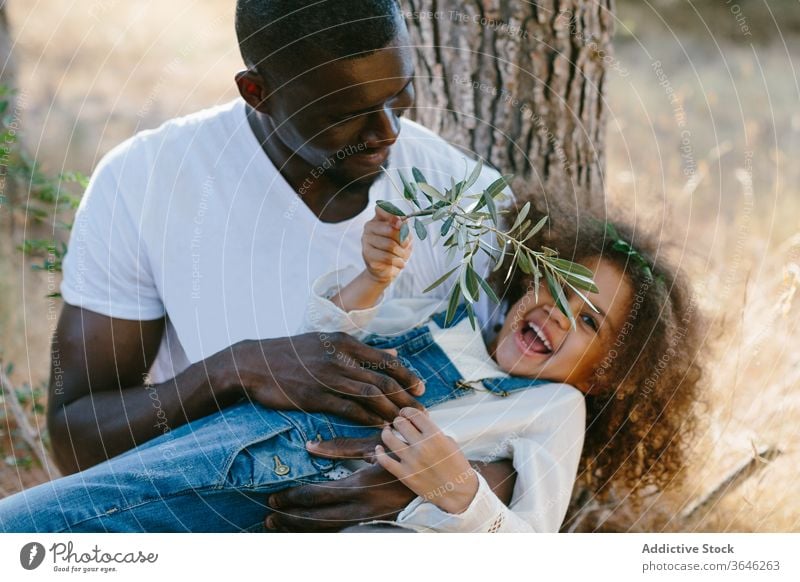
[[590, 321]]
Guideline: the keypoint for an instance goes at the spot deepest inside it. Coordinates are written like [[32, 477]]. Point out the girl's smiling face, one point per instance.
[[537, 340]]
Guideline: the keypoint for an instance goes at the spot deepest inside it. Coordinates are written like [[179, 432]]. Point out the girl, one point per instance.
[[625, 377], [630, 358]]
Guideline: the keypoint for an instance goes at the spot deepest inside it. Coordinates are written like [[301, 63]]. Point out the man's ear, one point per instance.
[[253, 90]]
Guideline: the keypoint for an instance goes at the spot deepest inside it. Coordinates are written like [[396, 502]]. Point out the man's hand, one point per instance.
[[370, 493], [319, 372]]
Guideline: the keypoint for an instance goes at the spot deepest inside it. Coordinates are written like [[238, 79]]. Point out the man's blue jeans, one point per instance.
[[215, 474]]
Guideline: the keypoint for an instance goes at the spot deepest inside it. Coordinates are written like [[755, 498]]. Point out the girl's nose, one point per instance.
[[559, 318]]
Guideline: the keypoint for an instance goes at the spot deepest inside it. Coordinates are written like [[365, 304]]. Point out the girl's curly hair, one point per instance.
[[640, 412]]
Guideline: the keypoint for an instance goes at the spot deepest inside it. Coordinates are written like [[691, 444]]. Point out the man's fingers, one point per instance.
[[309, 496], [392, 367], [349, 409], [331, 518], [344, 448], [393, 391], [362, 389], [387, 462]]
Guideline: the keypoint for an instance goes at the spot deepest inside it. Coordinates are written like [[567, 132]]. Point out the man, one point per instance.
[[190, 262]]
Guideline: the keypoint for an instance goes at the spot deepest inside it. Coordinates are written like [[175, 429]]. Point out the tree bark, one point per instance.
[[521, 85]]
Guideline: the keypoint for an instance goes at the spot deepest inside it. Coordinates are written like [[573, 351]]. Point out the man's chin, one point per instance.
[[354, 172]]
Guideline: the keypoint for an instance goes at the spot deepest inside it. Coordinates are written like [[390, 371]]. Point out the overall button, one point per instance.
[[280, 469]]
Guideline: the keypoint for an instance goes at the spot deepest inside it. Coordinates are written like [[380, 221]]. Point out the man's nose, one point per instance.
[[383, 128]]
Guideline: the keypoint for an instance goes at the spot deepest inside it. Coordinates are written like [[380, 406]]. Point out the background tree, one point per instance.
[[520, 84]]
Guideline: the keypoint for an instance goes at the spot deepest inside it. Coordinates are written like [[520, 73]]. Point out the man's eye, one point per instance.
[[590, 321]]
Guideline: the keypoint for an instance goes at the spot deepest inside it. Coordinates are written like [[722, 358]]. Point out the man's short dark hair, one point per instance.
[[275, 33]]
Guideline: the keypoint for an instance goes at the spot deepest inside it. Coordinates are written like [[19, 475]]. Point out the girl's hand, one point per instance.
[[431, 464], [384, 255]]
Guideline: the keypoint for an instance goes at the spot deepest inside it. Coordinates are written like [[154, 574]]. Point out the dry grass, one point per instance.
[[93, 73]]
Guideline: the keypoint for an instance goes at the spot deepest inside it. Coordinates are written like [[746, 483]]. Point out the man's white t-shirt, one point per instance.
[[193, 221]]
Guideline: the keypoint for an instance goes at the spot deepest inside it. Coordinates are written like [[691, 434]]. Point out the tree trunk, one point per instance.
[[521, 85]]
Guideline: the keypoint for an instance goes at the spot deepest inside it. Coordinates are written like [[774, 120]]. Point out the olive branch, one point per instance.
[[467, 227]]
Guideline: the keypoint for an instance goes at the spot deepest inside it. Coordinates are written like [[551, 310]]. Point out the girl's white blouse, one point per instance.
[[540, 429]]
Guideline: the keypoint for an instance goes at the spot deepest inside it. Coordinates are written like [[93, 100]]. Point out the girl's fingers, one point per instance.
[[375, 256], [386, 244], [407, 429], [383, 216], [420, 419], [380, 228], [395, 444]]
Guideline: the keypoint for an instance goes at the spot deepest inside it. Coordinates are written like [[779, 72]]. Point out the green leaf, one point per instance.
[[390, 208], [472, 282], [473, 177], [494, 189], [558, 295], [447, 224], [471, 314], [404, 232], [432, 193], [521, 216], [489, 200], [525, 263], [418, 177], [455, 295], [466, 291], [570, 267], [513, 264], [537, 227], [487, 288], [409, 190], [422, 232], [439, 213], [440, 280]]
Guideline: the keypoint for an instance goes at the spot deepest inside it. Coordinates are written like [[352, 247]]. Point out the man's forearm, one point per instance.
[[500, 475], [104, 424]]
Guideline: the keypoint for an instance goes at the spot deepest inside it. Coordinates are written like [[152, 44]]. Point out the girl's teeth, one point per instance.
[[539, 333]]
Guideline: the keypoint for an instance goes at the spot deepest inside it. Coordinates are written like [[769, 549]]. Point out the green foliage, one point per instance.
[[50, 200], [467, 221]]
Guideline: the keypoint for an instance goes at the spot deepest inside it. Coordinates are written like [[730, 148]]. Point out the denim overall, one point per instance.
[[214, 474]]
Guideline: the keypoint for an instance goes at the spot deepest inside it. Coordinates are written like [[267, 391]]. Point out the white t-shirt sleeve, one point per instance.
[[106, 268]]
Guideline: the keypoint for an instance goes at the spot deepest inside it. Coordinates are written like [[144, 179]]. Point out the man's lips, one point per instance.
[[371, 157]]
